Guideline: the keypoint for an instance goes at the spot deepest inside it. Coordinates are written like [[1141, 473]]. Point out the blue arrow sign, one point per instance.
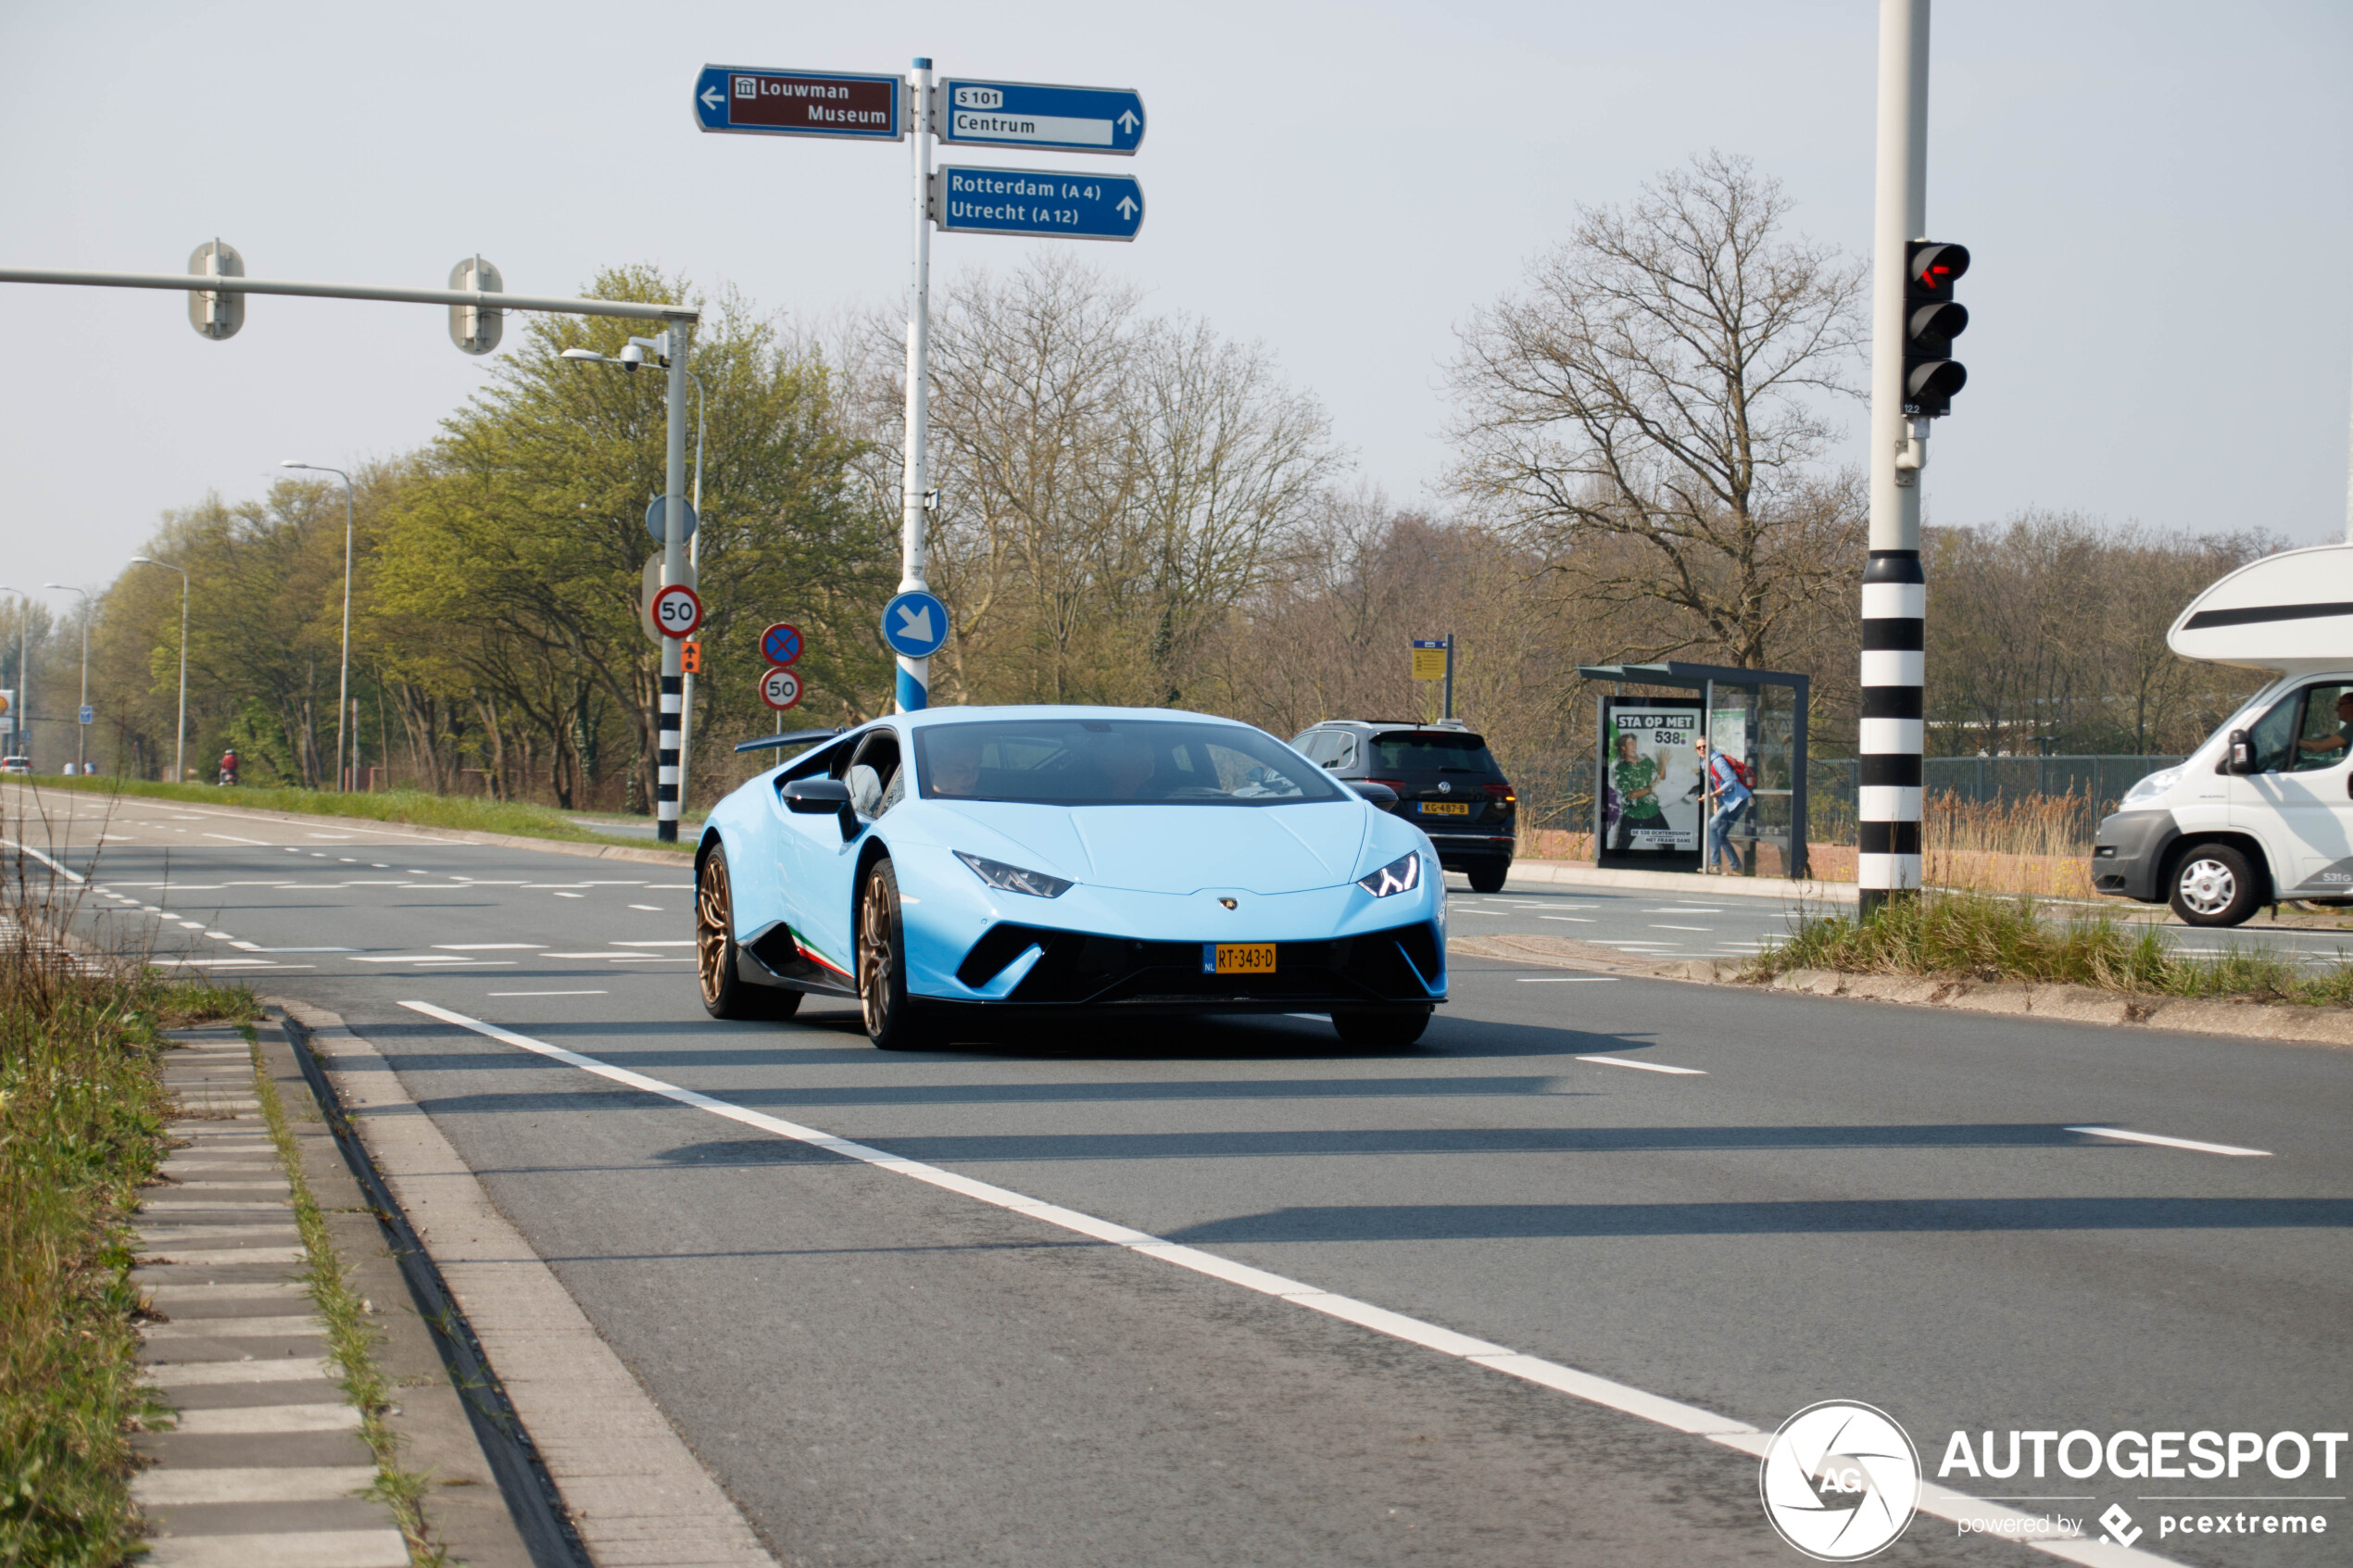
[[762, 102], [89, 714], [1036, 114], [1037, 201], [914, 625]]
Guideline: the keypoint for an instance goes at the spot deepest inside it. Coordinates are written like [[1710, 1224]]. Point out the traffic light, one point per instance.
[[1933, 319], [690, 658]]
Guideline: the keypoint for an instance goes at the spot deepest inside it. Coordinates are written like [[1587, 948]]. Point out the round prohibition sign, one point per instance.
[[780, 644], [678, 611], [780, 689]]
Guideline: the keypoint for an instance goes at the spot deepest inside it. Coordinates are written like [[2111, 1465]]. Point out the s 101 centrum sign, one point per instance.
[[1037, 201], [800, 103], [1038, 114]]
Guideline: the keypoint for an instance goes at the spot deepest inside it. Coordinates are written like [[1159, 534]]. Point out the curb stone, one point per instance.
[[2282, 1023]]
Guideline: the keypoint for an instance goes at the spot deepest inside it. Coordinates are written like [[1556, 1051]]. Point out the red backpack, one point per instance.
[[1741, 769]]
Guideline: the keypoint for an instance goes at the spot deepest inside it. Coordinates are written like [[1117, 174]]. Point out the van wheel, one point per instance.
[[2214, 885]]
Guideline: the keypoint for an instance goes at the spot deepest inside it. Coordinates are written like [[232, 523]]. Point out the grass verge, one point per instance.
[[408, 807], [350, 1337], [83, 1113], [1982, 937]]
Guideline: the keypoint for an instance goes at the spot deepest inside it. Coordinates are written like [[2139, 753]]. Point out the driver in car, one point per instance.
[[1126, 763], [955, 763]]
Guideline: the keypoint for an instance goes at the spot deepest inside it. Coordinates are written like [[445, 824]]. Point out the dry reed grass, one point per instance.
[[83, 1111]]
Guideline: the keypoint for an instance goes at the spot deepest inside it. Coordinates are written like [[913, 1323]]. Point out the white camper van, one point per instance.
[[2263, 811]]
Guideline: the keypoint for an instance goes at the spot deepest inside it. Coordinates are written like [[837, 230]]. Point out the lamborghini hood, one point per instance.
[[1183, 849]]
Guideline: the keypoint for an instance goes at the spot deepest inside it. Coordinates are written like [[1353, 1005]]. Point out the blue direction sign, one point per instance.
[[761, 102], [658, 519], [915, 624], [1037, 201], [1036, 114]]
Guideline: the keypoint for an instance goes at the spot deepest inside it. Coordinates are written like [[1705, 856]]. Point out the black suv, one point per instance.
[[1447, 786]]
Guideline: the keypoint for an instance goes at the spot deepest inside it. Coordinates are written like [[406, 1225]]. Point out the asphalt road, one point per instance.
[[1834, 1199]]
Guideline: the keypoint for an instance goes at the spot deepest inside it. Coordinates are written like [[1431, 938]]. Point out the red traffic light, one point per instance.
[[1934, 269]]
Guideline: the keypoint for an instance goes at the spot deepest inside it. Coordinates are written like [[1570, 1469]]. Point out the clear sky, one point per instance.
[[2156, 196]]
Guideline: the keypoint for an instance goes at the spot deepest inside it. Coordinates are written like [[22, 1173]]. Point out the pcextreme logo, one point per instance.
[[1839, 1481]]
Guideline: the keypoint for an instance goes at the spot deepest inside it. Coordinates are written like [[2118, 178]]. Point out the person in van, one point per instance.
[[2341, 737]]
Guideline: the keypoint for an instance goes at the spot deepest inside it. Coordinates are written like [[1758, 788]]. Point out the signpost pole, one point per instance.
[[914, 674], [673, 569], [1895, 591], [1450, 677]]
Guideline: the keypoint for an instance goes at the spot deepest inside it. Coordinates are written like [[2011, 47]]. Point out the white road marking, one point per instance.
[[550, 993], [1941, 1501], [485, 946], [2163, 1142], [641, 958], [650, 909], [686, 942], [235, 839], [1646, 1066], [1656, 926], [1573, 920], [1565, 979], [420, 957], [1681, 910], [571, 895]]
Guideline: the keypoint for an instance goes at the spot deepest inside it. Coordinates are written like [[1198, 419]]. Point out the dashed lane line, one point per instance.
[[1941, 1501], [1646, 1066], [2162, 1142]]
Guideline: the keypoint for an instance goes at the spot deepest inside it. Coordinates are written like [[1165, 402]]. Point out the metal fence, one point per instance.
[[1565, 789]]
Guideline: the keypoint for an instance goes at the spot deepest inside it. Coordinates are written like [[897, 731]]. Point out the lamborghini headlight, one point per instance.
[[1014, 879], [1401, 875]]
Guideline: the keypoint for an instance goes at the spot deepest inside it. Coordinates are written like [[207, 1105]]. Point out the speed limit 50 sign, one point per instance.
[[678, 611], [780, 689]]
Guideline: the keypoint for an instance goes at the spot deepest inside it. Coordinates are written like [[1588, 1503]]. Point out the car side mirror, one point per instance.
[[814, 796], [2239, 754], [1379, 794]]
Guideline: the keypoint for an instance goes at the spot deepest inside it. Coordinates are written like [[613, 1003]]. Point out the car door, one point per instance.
[[2298, 802], [808, 849], [870, 765]]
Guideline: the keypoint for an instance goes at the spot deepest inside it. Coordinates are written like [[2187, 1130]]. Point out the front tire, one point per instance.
[[725, 992], [894, 1022], [1380, 1029], [2214, 885]]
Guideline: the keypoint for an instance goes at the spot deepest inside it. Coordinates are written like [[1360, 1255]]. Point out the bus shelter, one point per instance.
[[1650, 799]]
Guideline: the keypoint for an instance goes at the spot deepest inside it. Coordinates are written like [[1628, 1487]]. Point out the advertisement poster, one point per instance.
[[1650, 795]]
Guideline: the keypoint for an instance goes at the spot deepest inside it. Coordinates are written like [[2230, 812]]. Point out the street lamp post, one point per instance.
[[343, 682], [24, 680], [180, 736], [81, 730], [694, 546]]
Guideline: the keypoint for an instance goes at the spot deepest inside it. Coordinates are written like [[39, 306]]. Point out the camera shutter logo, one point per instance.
[[1839, 1481]]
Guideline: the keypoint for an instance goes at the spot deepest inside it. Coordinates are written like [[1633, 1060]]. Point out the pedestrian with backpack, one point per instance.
[[1727, 800]]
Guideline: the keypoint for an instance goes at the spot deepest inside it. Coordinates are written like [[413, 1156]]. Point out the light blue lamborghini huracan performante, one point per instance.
[[962, 869]]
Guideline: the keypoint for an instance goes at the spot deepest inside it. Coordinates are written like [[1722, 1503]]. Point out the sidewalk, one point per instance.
[[265, 1465], [1582, 873]]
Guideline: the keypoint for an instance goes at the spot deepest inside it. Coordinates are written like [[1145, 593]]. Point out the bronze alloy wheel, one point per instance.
[[893, 1020], [714, 910], [725, 992]]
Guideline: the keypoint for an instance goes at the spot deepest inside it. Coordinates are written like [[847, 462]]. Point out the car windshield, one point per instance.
[[1428, 751], [1112, 762]]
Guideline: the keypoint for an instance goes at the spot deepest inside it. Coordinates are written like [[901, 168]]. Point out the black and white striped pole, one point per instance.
[[1894, 592]]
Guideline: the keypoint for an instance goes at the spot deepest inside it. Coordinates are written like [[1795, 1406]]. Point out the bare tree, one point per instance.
[[1661, 381]]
